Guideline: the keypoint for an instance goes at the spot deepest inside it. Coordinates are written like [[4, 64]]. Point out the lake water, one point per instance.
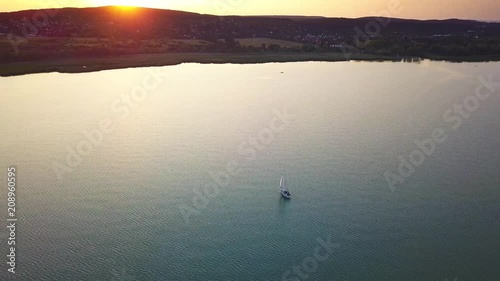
[[129, 202]]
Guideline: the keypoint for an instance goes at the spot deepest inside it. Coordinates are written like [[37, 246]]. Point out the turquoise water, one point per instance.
[[117, 214]]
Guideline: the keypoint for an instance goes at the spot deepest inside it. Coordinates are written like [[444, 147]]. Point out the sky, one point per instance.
[[415, 9]]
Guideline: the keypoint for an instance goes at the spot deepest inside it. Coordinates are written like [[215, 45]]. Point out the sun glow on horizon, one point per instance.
[[423, 9], [160, 4], [126, 4], [127, 8]]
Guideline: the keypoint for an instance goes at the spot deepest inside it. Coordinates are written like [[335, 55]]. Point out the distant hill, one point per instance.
[[157, 23], [291, 17], [113, 31]]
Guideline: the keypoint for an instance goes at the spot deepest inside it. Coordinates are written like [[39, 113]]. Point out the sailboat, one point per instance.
[[284, 189]]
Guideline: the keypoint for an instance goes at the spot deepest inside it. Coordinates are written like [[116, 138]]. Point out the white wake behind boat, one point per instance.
[[284, 189]]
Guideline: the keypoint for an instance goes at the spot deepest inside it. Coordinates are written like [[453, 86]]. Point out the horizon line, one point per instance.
[[256, 15]]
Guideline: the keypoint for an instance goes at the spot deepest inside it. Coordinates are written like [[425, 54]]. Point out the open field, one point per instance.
[[83, 44], [72, 42], [257, 42]]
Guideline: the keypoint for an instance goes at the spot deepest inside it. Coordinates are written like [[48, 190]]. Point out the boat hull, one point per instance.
[[286, 196]]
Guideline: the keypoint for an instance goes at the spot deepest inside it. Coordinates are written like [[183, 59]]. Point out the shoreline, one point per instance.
[[92, 64]]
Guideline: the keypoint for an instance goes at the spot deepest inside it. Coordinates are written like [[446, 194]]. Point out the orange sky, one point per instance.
[[419, 9]]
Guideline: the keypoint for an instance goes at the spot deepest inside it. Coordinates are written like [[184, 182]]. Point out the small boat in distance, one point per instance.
[[284, 189]]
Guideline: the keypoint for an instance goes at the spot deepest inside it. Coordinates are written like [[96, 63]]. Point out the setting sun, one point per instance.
[[127, 3], [172, 4], [127, 8], [424, 9]]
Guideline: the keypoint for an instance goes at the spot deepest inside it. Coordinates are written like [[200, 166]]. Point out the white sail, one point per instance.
[[283, 184]]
